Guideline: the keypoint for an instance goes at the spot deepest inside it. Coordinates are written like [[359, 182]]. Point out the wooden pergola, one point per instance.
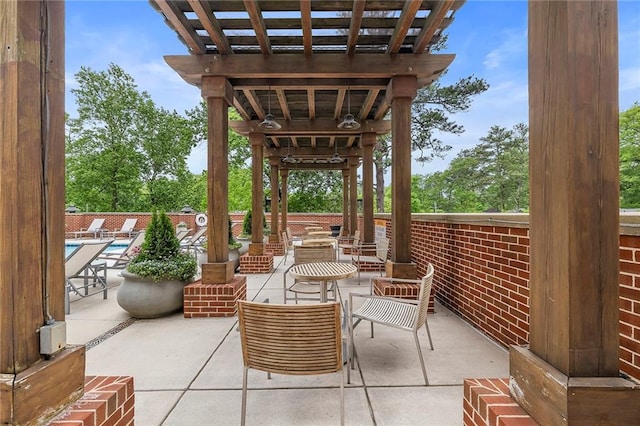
[[307, 64], [307, 61]]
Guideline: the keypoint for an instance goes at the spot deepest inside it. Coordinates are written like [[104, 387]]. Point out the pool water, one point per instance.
[[113, 247]]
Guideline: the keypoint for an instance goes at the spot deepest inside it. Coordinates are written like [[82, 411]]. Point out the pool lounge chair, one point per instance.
[[120, 259], [127, 229], [78, 265], [95, 228]]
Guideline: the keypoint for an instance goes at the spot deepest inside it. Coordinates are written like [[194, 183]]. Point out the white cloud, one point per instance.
[[513, 46]]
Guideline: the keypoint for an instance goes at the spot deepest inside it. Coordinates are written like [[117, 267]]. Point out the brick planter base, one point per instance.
[[277, 249], [106, 401], [262, 264], [214, 300], [403, 290], [487, 402]]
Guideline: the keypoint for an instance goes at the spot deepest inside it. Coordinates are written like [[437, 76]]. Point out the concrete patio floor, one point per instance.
[[189, 371]]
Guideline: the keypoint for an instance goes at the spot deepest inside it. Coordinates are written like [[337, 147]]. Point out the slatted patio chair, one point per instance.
[[347, 242], [403, 314], [306, 290], [370, 256], [288, 245], [292, 340]]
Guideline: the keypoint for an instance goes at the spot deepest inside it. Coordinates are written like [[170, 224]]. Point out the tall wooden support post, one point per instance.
[[284, 202], [402, 90], [256, 248], [368, 143], [345, 203], [274, 236], [570, 373], [32, 212], [353, 193], [219, 95]]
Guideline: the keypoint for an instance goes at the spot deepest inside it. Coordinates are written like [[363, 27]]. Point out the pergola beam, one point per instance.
[[318, 127]]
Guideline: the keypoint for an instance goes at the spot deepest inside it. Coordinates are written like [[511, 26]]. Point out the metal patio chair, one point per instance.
[[79, 265], [304, 290], [403, 314]]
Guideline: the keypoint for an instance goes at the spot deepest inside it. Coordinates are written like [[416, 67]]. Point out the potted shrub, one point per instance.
[[154, 279]]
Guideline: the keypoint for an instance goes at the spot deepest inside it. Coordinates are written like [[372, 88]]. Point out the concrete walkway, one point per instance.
[[189, 371]]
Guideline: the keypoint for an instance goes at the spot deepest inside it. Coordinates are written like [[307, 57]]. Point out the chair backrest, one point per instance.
[[382, 248], [96, 224], [308, 254], [182, 234], [291, 339], [285, 240], [137, 240], [128, 225], [83, 255], [423, 297], [195, 238]]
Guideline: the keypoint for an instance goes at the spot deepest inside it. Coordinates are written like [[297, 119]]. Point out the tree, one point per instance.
[[630, 157], [123, 152], [311, 191]]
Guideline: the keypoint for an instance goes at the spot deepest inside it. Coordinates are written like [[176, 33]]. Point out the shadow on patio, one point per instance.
[[189, 371]]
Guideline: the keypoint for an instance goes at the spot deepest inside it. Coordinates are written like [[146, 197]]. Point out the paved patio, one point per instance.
[[189, 371]]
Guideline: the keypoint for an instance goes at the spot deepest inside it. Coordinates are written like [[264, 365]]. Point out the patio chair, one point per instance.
[[403, 314], [348, 241], [292, 340], [288, 244], [370, 256], [79, 265], [128, 228], [95, 228], [120, 259], [194, 242], [182, 234], [304, 290]]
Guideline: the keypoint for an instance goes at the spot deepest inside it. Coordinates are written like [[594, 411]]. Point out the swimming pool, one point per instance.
[[113, 247]]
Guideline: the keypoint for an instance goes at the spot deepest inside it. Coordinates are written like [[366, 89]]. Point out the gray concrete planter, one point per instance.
[[144, 298]]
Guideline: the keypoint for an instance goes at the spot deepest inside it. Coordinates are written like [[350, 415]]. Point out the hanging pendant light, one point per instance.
[[269, 122], [336, 158], [288, 158], [349, 121]]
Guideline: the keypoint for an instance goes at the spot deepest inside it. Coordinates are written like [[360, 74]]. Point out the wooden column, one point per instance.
[[401, 90], [368, 143], [570, 373], [345, 203], [219, 95], [256, 248], [353, 193], [32, 213], [284, 175], [273, 235]]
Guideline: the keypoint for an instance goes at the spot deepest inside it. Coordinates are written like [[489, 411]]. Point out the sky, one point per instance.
[[489, 39]]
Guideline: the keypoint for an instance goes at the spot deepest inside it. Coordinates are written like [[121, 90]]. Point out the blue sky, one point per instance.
[[489, 39]]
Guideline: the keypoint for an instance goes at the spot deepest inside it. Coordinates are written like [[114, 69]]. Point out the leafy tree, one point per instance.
[[630, 157], [123, 152], [311, 191]]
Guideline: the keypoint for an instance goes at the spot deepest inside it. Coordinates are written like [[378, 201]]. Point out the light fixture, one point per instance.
[[335, 158], [288, 158], [349, 121], [269, 121]]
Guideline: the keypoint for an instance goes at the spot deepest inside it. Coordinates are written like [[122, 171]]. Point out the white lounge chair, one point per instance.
[[79, 265], [95, 228], [120, 259], [128, 228]]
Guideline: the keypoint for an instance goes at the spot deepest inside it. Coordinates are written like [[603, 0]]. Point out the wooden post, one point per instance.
[[219, 95], [368, 143], [570, 373], [353, 192], [256, 248], [32, 282], [274, 237], [284, 175], [345, 203], [401, 90]]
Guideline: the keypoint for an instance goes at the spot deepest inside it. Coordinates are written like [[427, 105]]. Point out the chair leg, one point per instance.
[[426, 324], [424, 370], [341, 398], [244, 396]]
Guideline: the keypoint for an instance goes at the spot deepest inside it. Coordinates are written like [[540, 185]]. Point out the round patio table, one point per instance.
[[318, 241], [319, 233], [323, 272]]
